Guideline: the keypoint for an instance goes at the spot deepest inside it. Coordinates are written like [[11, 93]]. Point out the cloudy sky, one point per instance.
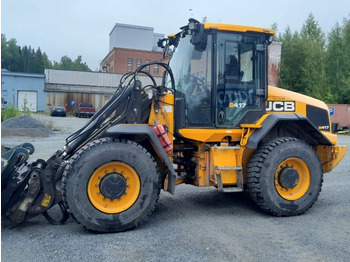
[[82, 27]]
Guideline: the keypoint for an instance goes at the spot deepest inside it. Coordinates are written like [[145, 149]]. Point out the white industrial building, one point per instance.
[[134, 37]]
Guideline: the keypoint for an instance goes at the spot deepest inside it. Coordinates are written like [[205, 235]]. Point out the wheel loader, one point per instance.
[[213, 122]]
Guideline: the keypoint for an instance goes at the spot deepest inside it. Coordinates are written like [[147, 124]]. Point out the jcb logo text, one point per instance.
[[280, 106]]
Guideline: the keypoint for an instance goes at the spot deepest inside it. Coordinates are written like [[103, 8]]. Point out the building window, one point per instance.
[[156, 69], [138, 62], [129, 64], [147, 67]]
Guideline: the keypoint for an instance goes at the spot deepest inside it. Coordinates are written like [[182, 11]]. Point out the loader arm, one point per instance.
[[29, 189]]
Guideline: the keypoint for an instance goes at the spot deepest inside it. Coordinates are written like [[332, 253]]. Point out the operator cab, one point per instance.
[[220, 74]]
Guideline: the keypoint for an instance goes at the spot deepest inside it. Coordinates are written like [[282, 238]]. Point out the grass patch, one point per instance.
[[9, 112]]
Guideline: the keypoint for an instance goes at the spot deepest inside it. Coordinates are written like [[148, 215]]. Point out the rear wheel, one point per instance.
[[284, 177], [111, 186]]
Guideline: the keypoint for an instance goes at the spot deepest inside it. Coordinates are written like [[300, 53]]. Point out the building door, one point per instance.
[[27, 99]]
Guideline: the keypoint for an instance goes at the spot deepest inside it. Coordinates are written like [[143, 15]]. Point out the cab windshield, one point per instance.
[[192, 71], [187, 64]]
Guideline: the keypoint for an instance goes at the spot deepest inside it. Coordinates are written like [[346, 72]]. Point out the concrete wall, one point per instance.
[[81, 78]]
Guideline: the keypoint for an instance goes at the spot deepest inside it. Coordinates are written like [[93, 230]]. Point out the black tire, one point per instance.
[[143, 186], [284, 177]]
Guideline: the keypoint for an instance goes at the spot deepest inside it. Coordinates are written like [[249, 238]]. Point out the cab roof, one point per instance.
[[238, 28], [232, 28]]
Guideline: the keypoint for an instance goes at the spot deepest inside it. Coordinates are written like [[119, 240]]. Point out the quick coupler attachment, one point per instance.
[[29, 189]]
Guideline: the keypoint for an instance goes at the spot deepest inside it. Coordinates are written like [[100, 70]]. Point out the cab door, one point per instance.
[[240, 79]]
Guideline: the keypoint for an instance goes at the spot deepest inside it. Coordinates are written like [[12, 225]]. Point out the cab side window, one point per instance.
[[236, 78]]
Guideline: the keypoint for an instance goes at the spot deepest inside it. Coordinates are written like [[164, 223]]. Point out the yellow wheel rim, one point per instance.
[[292, 179], [114, 187]]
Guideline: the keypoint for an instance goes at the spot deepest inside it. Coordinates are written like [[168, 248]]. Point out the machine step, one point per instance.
[[238, 187], [237, 168], [226, 147]]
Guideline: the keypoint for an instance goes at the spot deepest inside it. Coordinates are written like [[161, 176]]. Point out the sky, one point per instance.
[[82, 27]]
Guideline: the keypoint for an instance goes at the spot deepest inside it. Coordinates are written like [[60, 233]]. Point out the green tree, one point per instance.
[[303, 61], [345, 91], [293, 56], [80, 65], [337, 62], [67, 63], [274, 27], [5, 55], [31, 64], [314, 77], [312, 31], [316, 65], [38, 62], [26, 59], [10, 54], [47, 64]]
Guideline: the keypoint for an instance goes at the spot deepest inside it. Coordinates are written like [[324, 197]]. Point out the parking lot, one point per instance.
[[195, 224]]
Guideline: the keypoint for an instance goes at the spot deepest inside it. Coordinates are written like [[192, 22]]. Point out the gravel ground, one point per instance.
[[195, 224], [22, 125], [49, 141]]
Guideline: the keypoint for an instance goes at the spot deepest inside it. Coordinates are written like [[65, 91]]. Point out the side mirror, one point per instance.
[[199, 38], [164, 43]]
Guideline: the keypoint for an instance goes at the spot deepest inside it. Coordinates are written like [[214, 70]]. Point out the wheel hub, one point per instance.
[[113, 186], [292, 179], [288, 177]]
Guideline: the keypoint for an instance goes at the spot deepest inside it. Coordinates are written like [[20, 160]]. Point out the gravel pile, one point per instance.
[[24, 126]]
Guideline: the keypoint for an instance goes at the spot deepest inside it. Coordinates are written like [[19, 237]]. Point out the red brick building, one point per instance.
[[123, 60], [131, 46]]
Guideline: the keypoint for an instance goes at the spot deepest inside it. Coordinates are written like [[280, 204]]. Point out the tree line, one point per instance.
[[316, 64], [26, 59]]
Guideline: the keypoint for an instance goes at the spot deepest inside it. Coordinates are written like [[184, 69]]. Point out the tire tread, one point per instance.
[[255, 165], [77, 156]]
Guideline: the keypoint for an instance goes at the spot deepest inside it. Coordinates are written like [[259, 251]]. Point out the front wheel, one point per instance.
[[284, 177], [111, 186]]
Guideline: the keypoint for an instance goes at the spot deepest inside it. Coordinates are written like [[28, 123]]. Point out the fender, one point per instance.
[[145, 130], [293, 125]]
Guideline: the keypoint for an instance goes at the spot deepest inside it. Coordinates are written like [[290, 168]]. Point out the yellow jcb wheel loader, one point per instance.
[[213, 121]]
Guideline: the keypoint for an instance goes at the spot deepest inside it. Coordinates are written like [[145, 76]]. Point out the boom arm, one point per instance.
[[30, 189]]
